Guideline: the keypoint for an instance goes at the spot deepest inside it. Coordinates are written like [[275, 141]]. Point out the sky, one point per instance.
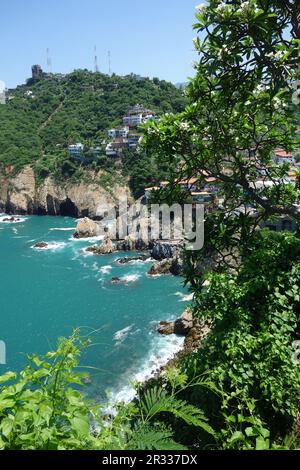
[[150, 38]]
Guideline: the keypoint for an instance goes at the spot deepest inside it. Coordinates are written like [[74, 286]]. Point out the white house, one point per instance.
[[118, 132], [133, 120], [110, 151], [76, 150]]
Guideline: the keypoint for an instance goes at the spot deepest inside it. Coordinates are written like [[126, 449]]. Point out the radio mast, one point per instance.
[[49, 61], [96, 66]]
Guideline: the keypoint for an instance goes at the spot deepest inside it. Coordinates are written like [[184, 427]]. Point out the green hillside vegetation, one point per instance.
[[47, 114]]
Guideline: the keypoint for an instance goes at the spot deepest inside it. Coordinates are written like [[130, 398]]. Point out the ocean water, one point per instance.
[[45, 294]]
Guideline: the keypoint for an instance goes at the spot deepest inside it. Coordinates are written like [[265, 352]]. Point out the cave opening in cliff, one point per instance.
[[68, 209]]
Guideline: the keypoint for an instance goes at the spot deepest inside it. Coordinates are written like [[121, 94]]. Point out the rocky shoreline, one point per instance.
[[166, 256], [194, 330], [21, 194]]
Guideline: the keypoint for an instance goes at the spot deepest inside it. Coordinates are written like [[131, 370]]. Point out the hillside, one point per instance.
[[44, 116]]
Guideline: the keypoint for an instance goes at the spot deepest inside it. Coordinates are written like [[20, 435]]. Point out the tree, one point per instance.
[[241, 108]]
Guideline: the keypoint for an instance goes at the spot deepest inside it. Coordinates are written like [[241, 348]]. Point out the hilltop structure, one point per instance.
[[37, 71]]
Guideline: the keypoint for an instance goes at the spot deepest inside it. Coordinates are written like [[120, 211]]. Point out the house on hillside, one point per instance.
[[76, 150], [134, 140], [115, 148], [118, 132], [281, 156], [137, 115]]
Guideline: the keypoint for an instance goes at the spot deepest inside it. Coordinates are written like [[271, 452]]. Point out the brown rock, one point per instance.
[[166, 328], [21, 195], [166, 266], [107, 246], [87, 228], [41, 245], [181, 326]]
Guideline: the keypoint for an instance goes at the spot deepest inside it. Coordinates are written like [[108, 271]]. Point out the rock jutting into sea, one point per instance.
[[106, 248], [194, 330], [166, 266], [181, 326], [87, 228]]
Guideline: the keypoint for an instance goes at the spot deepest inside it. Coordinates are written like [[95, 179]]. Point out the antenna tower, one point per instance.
[[96, 61], [109, 63], [49, 61]]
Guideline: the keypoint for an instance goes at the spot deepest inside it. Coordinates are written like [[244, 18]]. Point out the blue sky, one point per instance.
[[150, 38]]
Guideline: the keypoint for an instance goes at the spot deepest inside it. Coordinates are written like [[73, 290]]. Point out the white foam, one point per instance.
[[140, 261], [52, 246], [130, 278], [163, 348], [63, 229], [105, 269], [87, 240], [185, 297], [121, 335]]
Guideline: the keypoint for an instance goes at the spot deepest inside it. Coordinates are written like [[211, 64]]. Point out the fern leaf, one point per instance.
[[149, 438]]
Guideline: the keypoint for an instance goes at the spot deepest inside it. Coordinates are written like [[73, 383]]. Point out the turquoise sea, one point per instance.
[[45, 294]]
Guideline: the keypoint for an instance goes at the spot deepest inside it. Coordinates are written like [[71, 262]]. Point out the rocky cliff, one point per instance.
[[21, 195]]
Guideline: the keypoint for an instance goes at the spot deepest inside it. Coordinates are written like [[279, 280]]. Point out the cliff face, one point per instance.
[[21, 195]]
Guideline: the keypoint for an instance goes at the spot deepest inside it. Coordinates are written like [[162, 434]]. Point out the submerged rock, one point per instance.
[[130, 260], [87, 228], [11, 219], [116, 280], [40, 245], [87, 380]]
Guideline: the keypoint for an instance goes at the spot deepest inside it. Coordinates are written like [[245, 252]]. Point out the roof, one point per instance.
[[152, 188], [200, 193], [282, 153]]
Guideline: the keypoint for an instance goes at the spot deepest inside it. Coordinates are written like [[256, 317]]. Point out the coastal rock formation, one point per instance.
[[194, 330], [181, 326], [167, 266], [106, 248], [87, 228], [163, 249], [132, 244], [21, 194], [17, 195]]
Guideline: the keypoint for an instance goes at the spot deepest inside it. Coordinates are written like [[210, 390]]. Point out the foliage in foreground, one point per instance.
[[42, 409], [249, 354]]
